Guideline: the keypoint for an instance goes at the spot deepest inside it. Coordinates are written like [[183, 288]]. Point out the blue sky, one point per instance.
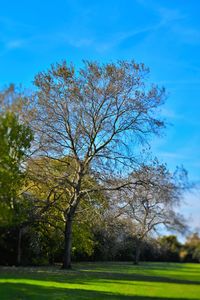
[[165, 35]]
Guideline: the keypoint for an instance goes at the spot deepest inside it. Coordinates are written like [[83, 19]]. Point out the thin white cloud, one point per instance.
[[77, 42], [191, 208], [166, 14], [14, 44], [168, 18], [170, 114], [13, 25], [119, 37], [13, 35], [172, 155], [193, 81], [171, 18], [187, 34]]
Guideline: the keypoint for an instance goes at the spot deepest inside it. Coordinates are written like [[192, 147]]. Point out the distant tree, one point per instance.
[[11, 99], [15, 140], [93, 115], [151, 203], [169, 248], [111, 238], [192, 248]]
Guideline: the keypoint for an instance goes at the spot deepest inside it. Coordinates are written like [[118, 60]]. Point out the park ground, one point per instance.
[[102, 281]]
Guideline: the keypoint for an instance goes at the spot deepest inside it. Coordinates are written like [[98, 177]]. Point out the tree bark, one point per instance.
[[68, 243], [137, 253], [19, 249]]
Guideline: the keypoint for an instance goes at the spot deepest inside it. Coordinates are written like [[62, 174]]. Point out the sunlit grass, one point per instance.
[[99, 281]]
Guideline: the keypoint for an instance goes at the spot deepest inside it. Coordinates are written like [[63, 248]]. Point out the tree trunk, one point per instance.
[[137, 253], [68, 244], [19, 249]]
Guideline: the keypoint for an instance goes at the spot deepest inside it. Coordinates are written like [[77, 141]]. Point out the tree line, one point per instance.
[[73, 169]]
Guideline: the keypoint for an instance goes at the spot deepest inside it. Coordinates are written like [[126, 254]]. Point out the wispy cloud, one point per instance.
[[172, 155], [13, 25], [21, 35], [191, 208], [174, 19], [187, 35], [13, 35], [170, 114], [14, 44], [166, 14], [119, 37], [168, 18]]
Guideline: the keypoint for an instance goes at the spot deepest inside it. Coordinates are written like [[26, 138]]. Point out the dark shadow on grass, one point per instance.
[[84, 273], [169, 266], [16, 291], [83, 277], [141, 277], [141, 265]]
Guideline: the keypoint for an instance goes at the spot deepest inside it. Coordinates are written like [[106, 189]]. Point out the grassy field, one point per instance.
[[97, 281]]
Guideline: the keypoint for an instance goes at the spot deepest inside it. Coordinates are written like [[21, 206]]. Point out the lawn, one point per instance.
[[102, 281]]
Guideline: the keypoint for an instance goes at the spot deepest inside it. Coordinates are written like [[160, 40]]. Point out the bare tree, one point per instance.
[[153, 202], [94, 116]]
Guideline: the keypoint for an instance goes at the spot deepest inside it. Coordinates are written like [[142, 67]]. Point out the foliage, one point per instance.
[[169, 248], [15, 140], [149, 201], [84, 190], [14, 143], [192, 248], [92, 116]]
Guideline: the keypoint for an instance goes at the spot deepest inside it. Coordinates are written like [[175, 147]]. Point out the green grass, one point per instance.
[[102, 281]]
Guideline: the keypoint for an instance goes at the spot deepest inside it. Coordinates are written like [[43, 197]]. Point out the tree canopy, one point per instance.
[[15, 141], [85, 170], [92, 115]]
